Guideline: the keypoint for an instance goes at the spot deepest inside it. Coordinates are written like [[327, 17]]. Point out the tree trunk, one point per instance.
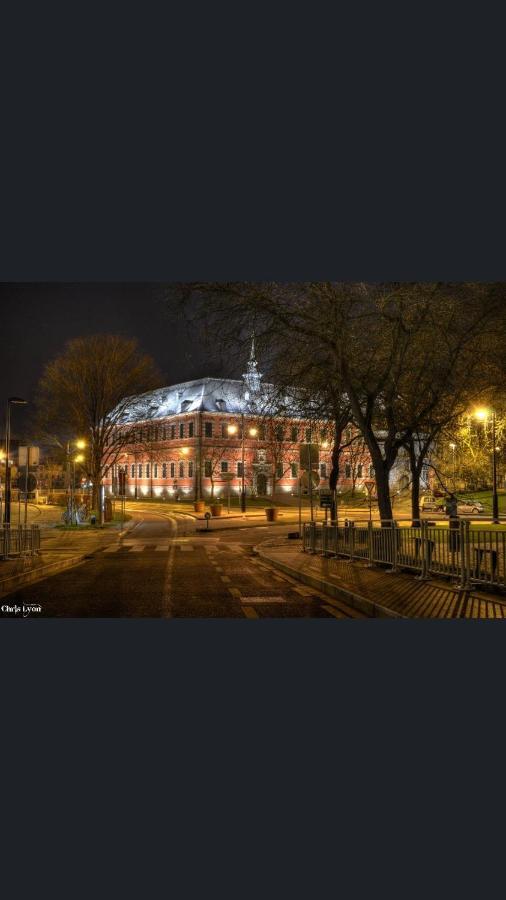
[[415, 466], [382, 475]]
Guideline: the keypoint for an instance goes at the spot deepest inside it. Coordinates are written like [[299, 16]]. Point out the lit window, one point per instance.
[[359, 470], [181, 429], [132, 470], [207, 468], [224, 466], [164, 470], [172, 470], [172, 432], [147, 470], [181, 469], [140, 470], [347, 470], [155, 473], [294, 434], [239, 469]]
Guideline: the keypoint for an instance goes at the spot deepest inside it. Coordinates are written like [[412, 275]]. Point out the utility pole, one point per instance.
[[495, 501]]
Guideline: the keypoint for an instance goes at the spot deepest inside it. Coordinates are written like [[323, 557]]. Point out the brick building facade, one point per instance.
[[188, 440]]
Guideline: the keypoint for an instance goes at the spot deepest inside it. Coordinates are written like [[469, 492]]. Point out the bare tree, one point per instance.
[[400, 354], [88, 392]]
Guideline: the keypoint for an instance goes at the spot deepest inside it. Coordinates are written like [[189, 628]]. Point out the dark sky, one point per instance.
[[37, 319]]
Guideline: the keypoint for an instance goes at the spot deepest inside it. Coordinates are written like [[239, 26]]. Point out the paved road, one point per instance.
[[164, 568]]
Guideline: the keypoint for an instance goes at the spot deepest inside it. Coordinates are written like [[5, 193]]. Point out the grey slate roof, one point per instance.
[[210, 395]]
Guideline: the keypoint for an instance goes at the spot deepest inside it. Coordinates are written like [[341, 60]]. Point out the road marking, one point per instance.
[[263, 599], [250, 613], [167, 588], [333, 612], [305, 591], [186, 547]]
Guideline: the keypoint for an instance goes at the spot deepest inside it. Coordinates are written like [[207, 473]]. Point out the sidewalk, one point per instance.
[[376, 592], [59, 550]]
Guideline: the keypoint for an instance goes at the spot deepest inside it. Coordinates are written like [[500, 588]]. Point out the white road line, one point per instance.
[[167, 587], [249, 612]]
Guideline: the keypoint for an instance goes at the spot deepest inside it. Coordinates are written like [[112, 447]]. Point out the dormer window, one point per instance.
[[221, 405], [185, 405]]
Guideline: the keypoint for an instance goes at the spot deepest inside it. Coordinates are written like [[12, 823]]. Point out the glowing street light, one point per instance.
[[252, 432], [483, 415]]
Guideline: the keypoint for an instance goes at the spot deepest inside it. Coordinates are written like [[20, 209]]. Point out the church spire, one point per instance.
[[252, 377]]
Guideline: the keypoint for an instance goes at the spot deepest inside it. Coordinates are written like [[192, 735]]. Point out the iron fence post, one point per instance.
[[424, 552], [370, 545], [465, 556], [395, 567]]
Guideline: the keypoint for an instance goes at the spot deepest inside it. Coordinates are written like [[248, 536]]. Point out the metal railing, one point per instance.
[[19, 540], [469, 556]]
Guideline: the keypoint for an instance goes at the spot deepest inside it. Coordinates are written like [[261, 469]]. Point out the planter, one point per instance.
[[216, 509], [271, 513], [199, 506]]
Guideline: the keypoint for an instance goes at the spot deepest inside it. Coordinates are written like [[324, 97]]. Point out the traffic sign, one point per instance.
[[309, 456], [325, 500], [315, 480]]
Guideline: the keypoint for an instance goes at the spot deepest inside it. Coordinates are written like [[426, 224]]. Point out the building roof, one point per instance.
[[248, 396], [211, 395]]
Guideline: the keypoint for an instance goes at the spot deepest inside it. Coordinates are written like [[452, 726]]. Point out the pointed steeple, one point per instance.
[[252, 377]]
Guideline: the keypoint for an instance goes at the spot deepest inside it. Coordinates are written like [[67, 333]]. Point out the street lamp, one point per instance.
[[18, 401], [71, 471], [453, 448], [482, 415], [232, 429]]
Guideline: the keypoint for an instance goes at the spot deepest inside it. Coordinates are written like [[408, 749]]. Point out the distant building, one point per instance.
[[187, 440]]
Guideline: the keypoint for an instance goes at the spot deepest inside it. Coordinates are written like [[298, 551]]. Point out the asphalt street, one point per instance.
[[164, 568]]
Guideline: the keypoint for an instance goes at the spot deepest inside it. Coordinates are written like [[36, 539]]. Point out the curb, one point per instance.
[[369, 607], [16, 581]]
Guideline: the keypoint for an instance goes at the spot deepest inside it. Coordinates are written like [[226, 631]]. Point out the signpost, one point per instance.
[[27, 456], [370, 486], [122, 493], [227, 477], [326, 501]]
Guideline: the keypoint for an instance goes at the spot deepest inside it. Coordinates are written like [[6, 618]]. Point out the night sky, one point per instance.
[[37, 320]]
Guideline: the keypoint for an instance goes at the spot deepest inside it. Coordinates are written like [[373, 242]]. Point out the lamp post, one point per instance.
[[232, 429], [7, 508], [483, 415], [453, 448], [71, 473]]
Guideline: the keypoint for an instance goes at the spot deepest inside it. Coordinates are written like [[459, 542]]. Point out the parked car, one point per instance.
[[432, 504], [469, 506]]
